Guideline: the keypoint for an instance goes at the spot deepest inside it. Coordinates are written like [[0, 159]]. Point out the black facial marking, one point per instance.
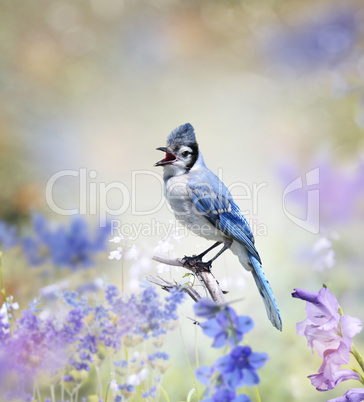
[[194, 157]]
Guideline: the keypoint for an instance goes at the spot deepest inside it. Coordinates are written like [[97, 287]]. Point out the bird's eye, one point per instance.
[[185, 154]]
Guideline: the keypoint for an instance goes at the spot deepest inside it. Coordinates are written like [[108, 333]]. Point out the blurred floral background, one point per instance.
[[274, 90]]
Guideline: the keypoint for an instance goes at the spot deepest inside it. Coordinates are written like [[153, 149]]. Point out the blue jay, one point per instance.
[[203, 204]]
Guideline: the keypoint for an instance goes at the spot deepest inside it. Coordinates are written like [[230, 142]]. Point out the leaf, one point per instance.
[[190, 394]]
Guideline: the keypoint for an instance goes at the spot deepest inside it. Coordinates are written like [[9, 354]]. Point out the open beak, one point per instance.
[[168, 159]]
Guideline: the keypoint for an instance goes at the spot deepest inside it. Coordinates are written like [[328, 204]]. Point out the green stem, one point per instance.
[[358, 357], [197, 357], [355, 352], [76, 393], [107, 392], [99, 380], [189, 363], [62, 387], [165, 394], [257, 394], [53, 396], [36, 390], [232, 329]]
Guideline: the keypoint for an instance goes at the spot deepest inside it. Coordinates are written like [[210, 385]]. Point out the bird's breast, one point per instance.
[[178, 196], [176, 192]]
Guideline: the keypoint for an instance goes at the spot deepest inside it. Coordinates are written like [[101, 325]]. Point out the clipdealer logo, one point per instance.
[[311, 219], [95, 198], [113, 199]]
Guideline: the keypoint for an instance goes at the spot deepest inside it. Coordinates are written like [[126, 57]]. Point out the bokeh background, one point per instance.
[[273, 89]]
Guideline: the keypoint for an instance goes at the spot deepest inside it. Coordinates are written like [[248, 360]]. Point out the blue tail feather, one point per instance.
[[266, 292]]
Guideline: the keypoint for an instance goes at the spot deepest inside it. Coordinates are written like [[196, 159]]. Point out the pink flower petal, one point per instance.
[[350, 326], [353, 395]]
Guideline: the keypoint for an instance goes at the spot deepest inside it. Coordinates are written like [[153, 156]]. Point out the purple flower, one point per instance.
[[227, 327], [226, 395], [121, 363], [322, 311], [158, 355], [353, 395], [73, 247], [73, 325], [239, 367], [89, 343], [127, 387], [206, 308], [111, 293], [320, 42], [323, 327], [204, 374], [175, 298], [151, 393], [69, 246], [33, 348], [330, 334], [324, 381], [341, 193], [46, 343], [242, 398], [8, 236], [33, 251]]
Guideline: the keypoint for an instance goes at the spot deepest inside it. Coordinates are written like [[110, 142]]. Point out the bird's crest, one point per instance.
[[182, 135]]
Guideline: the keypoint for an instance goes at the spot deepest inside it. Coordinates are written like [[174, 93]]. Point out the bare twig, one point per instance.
[[206, 277], [166, 285]]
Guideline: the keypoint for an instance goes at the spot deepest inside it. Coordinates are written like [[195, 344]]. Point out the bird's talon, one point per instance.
[[191, 261], [203, 267]]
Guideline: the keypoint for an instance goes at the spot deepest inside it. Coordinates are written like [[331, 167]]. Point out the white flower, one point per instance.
[[15, 306], [5, 313], [116, 239], [162, 268], [141, 266], [329, 259], [133, 285], [323, 254], [136, 379], [53, 289], [116, 254], [164, 247], [99, 282], [137, 270], [321, 244], [114, 385], [132, 254]]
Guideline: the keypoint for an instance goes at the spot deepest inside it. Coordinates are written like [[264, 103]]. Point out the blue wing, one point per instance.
[[234, 225], [214, 201], [211, 197]]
